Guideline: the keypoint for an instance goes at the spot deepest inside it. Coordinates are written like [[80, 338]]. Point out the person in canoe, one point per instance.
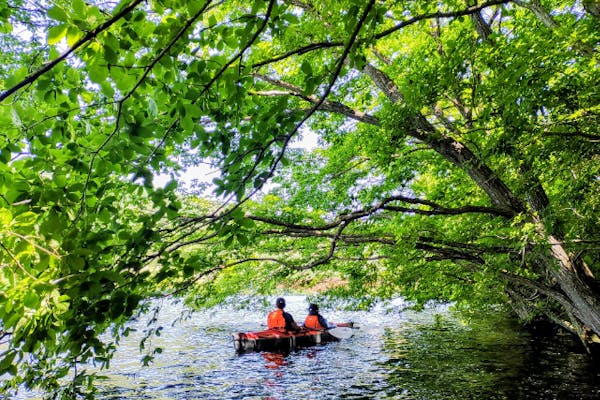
[[316, 321], [281, 320]]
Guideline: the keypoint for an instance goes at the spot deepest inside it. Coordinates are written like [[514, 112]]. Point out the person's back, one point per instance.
[[276, 320], [281, 320], [314, 320]]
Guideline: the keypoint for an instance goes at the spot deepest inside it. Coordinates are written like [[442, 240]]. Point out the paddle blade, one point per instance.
[[341, 332]]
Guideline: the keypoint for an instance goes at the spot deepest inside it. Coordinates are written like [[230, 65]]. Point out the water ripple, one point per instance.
[[394, 355]]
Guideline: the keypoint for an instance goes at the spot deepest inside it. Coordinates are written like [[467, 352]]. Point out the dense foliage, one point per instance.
[[459, 160]]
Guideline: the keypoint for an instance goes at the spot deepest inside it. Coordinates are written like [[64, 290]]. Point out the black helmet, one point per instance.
[[313, 307], [280, 302]]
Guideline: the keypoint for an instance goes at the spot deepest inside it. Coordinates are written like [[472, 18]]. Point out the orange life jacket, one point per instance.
[[312, 322], [275, 320]]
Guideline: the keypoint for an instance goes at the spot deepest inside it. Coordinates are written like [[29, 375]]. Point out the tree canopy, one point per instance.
[[458, 160]]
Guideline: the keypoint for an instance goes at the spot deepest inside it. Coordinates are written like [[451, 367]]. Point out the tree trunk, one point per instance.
[[540, 12], [584, 302], [461, 156], [592, 7], [482, 28], [583, 297], [452, 150]]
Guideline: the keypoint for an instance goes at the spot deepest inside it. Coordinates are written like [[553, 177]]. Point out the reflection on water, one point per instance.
[[489, 360], [275, 360], [396, 355]]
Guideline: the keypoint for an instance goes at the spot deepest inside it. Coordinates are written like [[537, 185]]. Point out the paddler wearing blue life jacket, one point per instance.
[[281, 320], [314, 320]]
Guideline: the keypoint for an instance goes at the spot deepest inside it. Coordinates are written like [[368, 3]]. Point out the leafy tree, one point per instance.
[[460, 161]]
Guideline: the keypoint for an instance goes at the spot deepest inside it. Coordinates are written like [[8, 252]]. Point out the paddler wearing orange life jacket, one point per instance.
[[281, 320], [316, 321]]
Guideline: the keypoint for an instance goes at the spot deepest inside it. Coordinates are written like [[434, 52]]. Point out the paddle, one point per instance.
[[341, 332]]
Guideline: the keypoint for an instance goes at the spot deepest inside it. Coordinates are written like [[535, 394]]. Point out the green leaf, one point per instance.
[[192, 110], [242, 239], [6, 363], [306, 68], [16, 119], [60, 180], [110, 55], [58, 14], [17, 76], [98, 73], [247, 223], [152, 108], [6, 27], [73, 35], [5, 217], [187, 123], [14, 317], [79, 7], [56, 34], [31, 299], [27, 218]]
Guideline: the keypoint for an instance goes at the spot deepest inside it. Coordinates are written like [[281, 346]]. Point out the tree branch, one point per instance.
[[331, 251], [410, 21], [418, 127], [384, 205], [447, 253], [334, 77], [438, 210], [352, 239], [553, 294], [147, 70], [330, 106], [441, 15], [88, 37]]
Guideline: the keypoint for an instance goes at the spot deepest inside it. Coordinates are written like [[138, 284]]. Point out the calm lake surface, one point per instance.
[[394, 355]]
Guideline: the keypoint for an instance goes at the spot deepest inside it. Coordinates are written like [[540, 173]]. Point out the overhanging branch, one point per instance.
[[85, 39], [384, 204], [326, 105]]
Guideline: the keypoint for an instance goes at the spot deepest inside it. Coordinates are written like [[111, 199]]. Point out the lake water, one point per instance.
[[394, 355]]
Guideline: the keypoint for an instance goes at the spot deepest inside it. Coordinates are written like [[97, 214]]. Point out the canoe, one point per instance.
[[275, 340]]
